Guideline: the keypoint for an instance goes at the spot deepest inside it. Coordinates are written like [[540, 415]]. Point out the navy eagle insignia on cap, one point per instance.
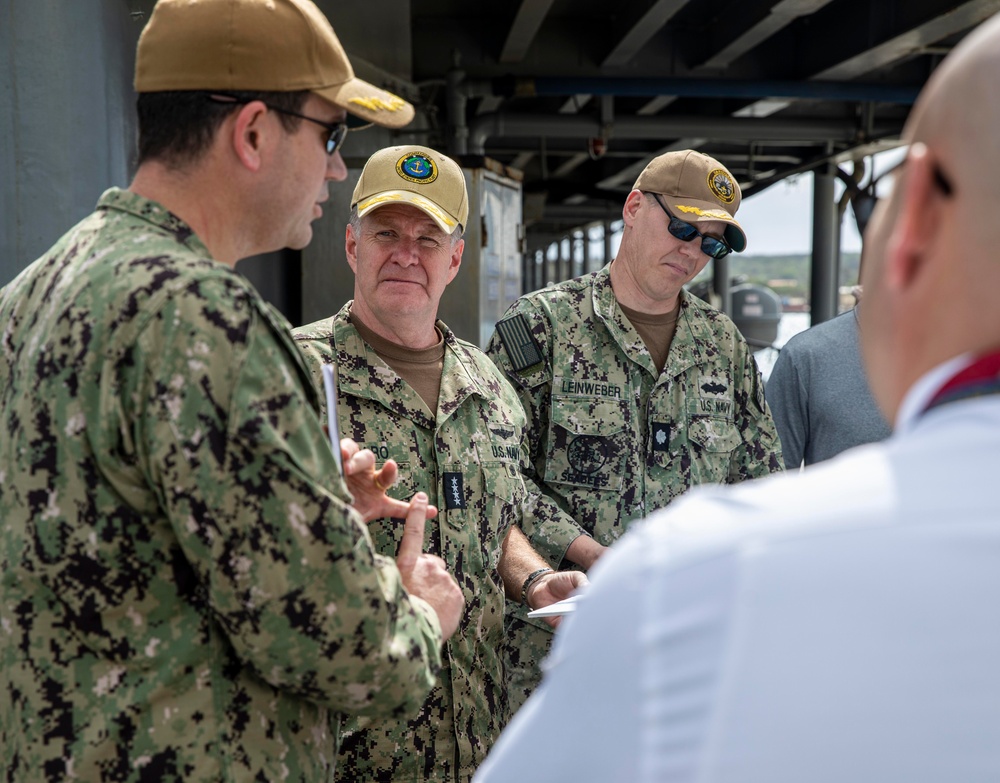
[[721, 185], [417, 168]]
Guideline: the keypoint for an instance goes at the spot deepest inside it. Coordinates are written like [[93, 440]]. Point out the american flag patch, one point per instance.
[[521, 346]]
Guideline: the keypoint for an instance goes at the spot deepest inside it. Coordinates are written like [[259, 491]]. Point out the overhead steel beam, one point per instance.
[[582, 212], [748, 37], [658, 103], [488, 126], [574, 103], [899, 47], [648, 25], [709, 88], [629, 174], [779, 17], [526, 24], [913, 41]]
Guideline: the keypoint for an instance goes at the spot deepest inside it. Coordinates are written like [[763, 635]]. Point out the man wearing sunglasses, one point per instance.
[[186, 593], [635, 389]]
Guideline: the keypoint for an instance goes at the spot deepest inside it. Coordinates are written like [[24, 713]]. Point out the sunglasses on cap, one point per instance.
[[685, 232], [338, 130]]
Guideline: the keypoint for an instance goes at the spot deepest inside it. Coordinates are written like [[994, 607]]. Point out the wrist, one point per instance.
[[531, 581], [584, 551]]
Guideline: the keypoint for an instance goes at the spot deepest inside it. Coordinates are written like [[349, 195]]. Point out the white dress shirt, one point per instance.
[[842, 624]]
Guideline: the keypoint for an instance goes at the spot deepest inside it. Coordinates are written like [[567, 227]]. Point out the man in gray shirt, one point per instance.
[[819, 395]]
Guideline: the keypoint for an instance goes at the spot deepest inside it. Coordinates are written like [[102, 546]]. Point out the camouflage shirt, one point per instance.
[[183, 597], [611, 440], [467, 458]]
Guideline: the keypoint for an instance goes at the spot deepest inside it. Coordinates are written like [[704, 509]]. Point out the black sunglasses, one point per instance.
[[685, 232], [338, 130]]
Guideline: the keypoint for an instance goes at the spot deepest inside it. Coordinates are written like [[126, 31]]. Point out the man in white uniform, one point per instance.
[[840, 624]]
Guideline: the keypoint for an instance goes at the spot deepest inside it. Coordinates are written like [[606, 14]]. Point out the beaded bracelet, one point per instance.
[[532, 578]]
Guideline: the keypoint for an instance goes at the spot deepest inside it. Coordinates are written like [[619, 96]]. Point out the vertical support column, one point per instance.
[[823, 282], [587, 260], [720, 282], [607, 242]]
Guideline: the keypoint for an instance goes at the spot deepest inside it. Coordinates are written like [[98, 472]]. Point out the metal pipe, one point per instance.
[[494, 124], [456, 101], [707, 88]]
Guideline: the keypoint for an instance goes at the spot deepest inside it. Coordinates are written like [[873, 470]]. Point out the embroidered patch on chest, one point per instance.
[[454, 491], [660, 434]]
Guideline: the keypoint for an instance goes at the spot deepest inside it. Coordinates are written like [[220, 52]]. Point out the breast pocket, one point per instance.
[[713, 441], [714, 435], [587, 443], [402, 488]]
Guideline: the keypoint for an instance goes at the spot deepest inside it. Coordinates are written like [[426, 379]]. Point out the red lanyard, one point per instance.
[[979, 379]]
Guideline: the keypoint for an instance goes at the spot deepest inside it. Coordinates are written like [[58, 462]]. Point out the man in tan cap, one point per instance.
[[186, 593], [634, 389], [412, 392]]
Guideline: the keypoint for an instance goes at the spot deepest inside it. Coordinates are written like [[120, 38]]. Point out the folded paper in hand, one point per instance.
[[566, 606]]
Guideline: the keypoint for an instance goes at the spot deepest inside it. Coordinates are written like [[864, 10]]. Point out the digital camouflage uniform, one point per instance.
[[183, 597], [611, 441], [467, 459]]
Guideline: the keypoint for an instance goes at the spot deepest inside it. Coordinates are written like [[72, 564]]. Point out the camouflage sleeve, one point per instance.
[[548, 525], [759, 454], [228, 435]]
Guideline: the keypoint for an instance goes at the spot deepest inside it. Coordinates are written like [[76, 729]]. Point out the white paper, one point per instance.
[[332, 423], [566, 606]]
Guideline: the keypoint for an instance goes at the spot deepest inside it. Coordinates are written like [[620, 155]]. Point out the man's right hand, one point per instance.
[[425, 575]]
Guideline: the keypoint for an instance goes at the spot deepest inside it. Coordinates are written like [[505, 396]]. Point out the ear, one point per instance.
[[249, 133], [351, 248], [921, 218], [633, 204], [456, 259]]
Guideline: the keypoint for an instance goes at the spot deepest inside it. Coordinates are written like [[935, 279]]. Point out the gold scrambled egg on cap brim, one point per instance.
[[694, 211], [369, 102], [445, 221]]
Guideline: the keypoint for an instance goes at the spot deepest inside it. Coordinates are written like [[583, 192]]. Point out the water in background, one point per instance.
[[789, 326]]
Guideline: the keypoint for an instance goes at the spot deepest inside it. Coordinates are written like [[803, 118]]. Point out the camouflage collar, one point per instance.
[[362, 373], [606, 308], [689, 336], [122, 200]]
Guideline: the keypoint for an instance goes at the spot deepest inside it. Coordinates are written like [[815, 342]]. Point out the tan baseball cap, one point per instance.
[[265, 45], [696, 189], [414, 175]]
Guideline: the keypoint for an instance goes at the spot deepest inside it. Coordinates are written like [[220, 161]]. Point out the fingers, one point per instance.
[[412, 544], [386, 477], [356, 459], [398, 509], [348, 448]]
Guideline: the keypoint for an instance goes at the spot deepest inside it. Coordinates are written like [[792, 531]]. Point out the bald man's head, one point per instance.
[[931, 265], [958, 113]]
